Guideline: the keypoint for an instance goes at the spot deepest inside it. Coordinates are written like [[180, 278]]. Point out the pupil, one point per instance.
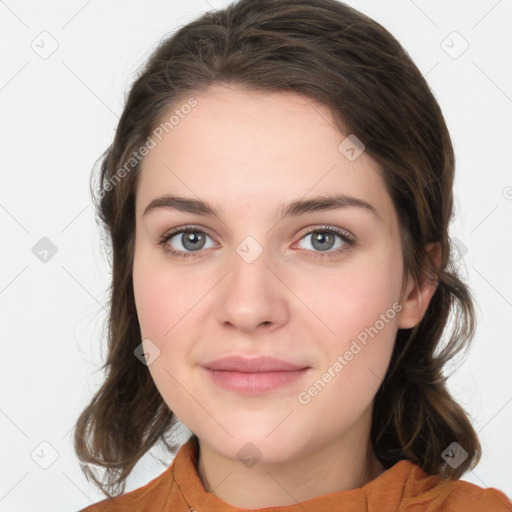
[[321, 239], [191, 240]]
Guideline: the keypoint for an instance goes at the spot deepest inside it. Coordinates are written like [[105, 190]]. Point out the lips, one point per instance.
[[253, 376], [252, 365]]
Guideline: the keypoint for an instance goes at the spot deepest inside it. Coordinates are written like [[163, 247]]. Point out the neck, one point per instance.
[[341, 465]]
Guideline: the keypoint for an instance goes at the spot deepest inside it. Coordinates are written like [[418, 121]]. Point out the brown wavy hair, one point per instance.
[[333, 54]]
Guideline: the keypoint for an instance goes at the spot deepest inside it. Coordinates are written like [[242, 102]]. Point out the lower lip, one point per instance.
[[254, 383]]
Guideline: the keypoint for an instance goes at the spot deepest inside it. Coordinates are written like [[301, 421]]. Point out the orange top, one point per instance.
[[405, 487]]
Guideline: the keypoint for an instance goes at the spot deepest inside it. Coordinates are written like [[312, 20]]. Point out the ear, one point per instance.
[[416, 297]]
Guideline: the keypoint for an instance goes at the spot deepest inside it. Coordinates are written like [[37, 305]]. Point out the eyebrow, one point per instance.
[[292, 209]]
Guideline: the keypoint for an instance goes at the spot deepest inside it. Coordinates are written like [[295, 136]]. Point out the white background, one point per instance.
[[58, 115]]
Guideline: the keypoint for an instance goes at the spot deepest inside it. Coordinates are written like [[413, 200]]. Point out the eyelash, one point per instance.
[[349, 241]]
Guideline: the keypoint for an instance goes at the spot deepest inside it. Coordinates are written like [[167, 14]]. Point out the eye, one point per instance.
[[188, 238], [191, 239], [323, 240]]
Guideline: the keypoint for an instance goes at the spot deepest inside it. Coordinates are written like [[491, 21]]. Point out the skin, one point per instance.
[[249, 152]]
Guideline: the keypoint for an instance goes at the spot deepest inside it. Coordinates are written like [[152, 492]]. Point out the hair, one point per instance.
[[332, 54]]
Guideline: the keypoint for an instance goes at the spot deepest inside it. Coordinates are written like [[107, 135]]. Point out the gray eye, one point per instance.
[[188, 241], [322, 240]]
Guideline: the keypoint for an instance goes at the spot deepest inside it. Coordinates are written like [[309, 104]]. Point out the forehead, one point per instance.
[[240, 146]]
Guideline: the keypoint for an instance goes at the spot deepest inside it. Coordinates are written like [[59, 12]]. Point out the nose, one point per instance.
[[252, 295]]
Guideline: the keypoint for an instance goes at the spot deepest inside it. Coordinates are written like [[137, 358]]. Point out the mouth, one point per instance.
[[253, 376]]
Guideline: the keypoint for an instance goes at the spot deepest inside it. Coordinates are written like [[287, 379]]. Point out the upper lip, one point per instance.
[[252, 365]]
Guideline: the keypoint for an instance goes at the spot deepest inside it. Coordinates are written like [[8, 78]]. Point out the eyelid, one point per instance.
[[325, 227], [187, 227]]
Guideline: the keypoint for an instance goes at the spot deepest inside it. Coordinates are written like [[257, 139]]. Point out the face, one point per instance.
[[318, 288]]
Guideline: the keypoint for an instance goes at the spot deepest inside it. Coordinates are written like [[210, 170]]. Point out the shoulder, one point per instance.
[[151, 496], [467, 497], [444, 495], [163, 492]]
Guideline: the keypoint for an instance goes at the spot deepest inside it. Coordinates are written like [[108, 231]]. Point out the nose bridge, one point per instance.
[[251, 294], [250, 273], [250, 261]]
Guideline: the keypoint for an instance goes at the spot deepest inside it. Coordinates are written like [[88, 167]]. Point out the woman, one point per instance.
[[278, 196]]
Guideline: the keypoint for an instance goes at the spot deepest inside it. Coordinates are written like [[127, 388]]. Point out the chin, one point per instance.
[[252, 443], [257, 450]]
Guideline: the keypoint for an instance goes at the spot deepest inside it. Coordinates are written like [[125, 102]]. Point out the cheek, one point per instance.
[[159, 311], [360, 307], [357, 357], [161, 301], [168, 303], [151, 301], [352, 299]]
